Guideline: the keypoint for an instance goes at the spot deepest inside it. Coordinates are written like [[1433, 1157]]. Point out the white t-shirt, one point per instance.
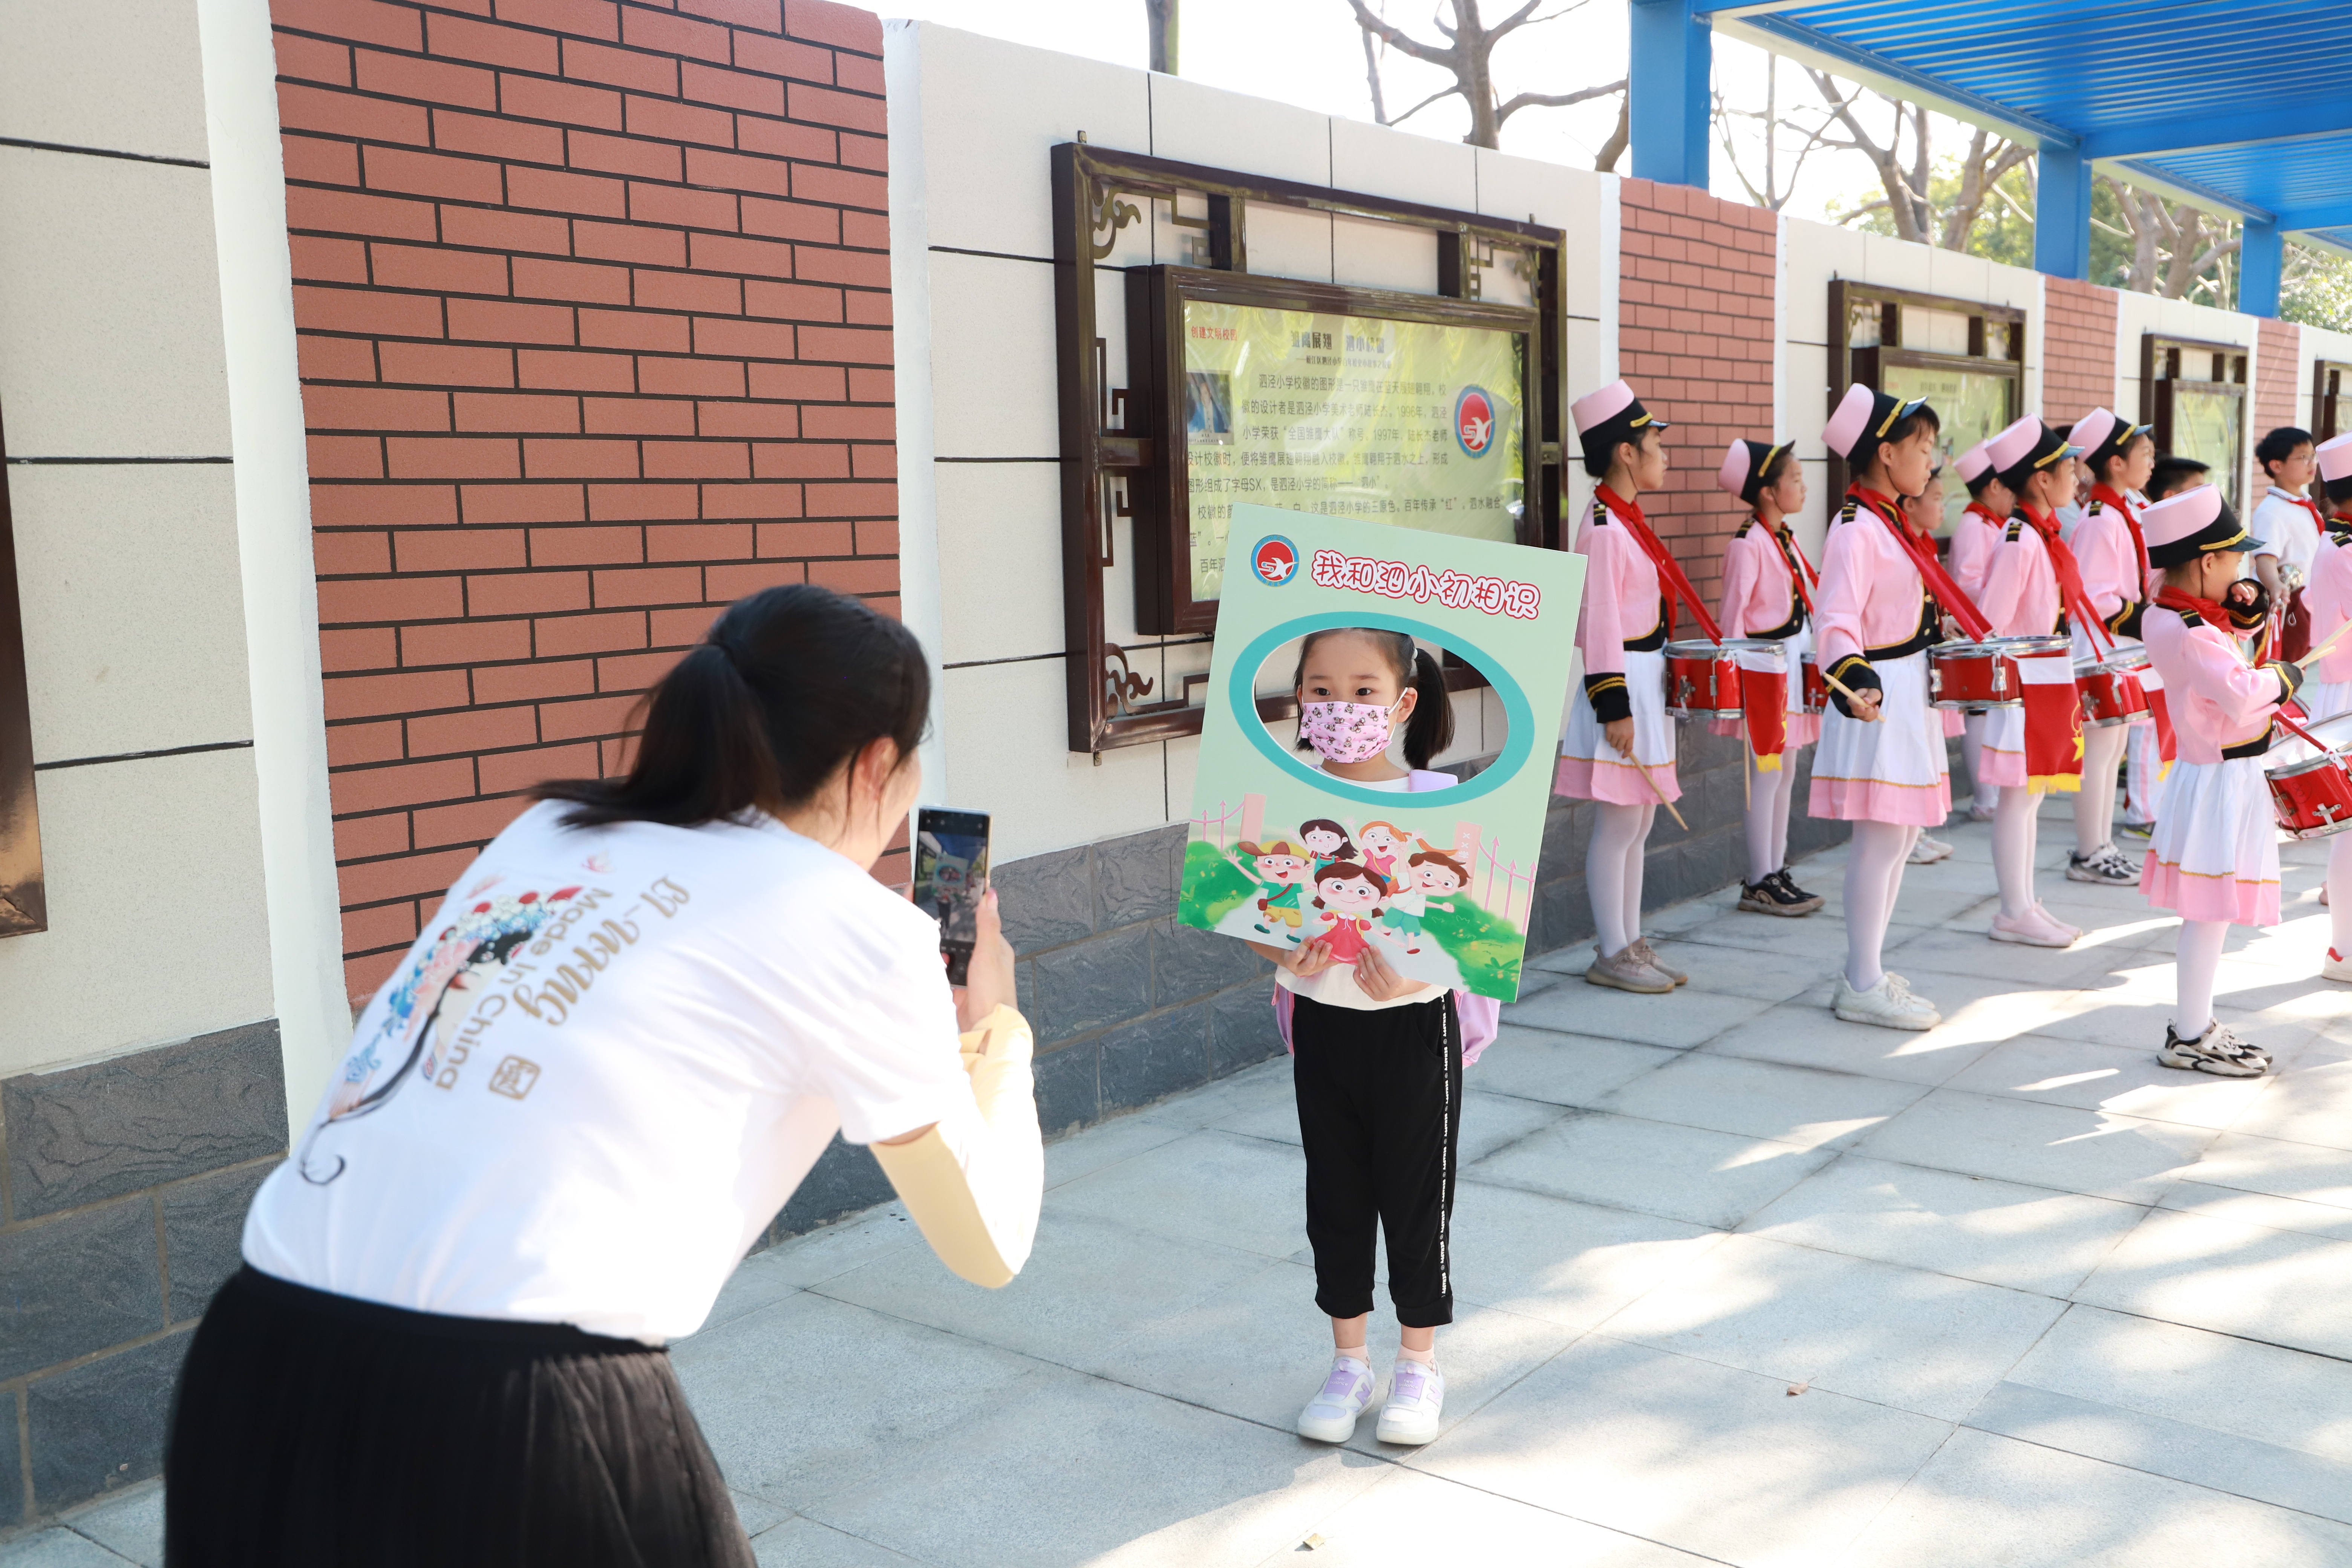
[[2287, 529], [602, 1069]]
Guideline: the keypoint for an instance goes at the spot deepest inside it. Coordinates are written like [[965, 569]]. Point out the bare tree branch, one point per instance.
[[1555, 99], [1605, 161]]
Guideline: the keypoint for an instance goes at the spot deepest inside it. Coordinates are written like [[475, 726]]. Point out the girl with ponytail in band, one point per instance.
[[2111, 553]]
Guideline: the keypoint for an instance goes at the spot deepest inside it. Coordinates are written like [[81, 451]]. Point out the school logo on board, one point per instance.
[[1276, 561], [1474, 421]]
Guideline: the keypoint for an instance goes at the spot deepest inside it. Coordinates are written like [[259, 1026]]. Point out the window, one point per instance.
[[23, 906], [2194, 394], [1963, 357], [2331, 386]]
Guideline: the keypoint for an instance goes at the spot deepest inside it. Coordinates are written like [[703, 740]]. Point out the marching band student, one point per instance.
[[2032, 586], [2290, 524], [2328, 598], [1619, 748], [1973, 537], [2143, 764], [2214, 855], [2171, 476], [1880, 764], [1925, 512], [1767, 592], [2107, 546]]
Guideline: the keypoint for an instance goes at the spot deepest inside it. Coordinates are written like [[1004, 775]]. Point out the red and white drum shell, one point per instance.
[[1983, 674], [2110, 689], [1703, 677], [2312, 798], [1817, 691]]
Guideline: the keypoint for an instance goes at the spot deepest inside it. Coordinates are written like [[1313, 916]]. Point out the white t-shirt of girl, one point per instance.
[[1335, 986], [602, 1069]]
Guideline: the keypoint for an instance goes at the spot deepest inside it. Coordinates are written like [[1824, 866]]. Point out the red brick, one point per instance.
[[597, 716], [372, 696], [374, 881], [527, 682], [320, 259], [373, 408], [751, 500], [869, 306], [802, 540], [736, 89], [526, 593], [491, 45], [439, 269], [638, 417], [475, 822], [870, 231], [750, 340], [865, 151], [495, 229], [563, 636], [729, 253], [649, 586], [692, 209], [633, 672], [872, 386], [766, 16], [856, 344], [435, 81], [798, 382], [674, 36], [826, 107], [521, 770], [853, 500], [691, 378], [848, 187], [704, 459], [346, 554], [396, 27], [689, 291], [559, 191], [411, 783], [629, 242], [782, 56], [734, 170], [494, 138], [452, 458], [461, 550], [583, 18], [861, 576], [875, 462], [680, 121], [636, 329], [866, 269], [577, 372], [679, 628], [844, 26], [619, 156], [346, 457], [581, 459], [364, 837], [858, 73], [518, 412], [619, 68], [792, 302], [472, 730], [846, 423], [348, 359], [501, 320], [586, 546], [381, 505], [751, 421], [538, 279], [697, 541], [357, 648], [801, 460], [313, 59], [431, 174], [727, 584], [324, 163], [348, 212], [566, 102], [791, 220], [349, 114], [464, 642], [362, 976], [448, 364], [642, 503]]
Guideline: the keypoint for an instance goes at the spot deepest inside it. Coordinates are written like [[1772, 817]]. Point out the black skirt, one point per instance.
[[320, 1431]]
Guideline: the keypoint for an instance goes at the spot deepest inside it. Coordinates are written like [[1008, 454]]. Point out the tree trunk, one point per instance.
[[1614, 148], [1476, 71], [1372, 74], [1159, 21]]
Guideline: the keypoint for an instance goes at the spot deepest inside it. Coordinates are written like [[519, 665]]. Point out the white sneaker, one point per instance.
[[1330, 1416], [1927, 851], [1416, 1399], [2336, 967], [2218, 1050], [2104, 866], [2033, 928], [1889, 1003]]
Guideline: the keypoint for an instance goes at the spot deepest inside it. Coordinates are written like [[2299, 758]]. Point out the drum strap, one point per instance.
[[1793, 557], [2071, 592], [2103, 495], [1670, 571], [1923, 556]]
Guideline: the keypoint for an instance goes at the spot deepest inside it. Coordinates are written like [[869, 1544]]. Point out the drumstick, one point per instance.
[[1850, 697], [1654, 790], [2315, 655]]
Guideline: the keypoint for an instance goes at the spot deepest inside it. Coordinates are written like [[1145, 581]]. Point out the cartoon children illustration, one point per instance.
[[1327, 841], [1281, 869], [1427, 872], [1350, 898], [1384, 843]]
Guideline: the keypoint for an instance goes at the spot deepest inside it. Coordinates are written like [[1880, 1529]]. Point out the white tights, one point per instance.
[[1873, 876], [1768, 816], [2016, 839], [2198, 961], [1612, 872], [1973, 731], [2340, 893], [2094, 808]]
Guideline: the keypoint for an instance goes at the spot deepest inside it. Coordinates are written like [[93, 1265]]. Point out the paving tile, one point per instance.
[[2091, 1077], [1410, 1520], [1947, 951], [1977, 1014], [130, 1526], [1985, 1499], [1684, 1019], [1744, 972], [2308, 1174], [2280, 1287], [1813, 941], [804, 1543], [2029, 1238], [1568, 1263], [1561, 1069], [2070, 1151], [1267, 1081], [56, 1549], [1689, 1454], [1682, 1173], [2132, 1014], [1216, 1187], [2259, 1209], [1069, 1158], [1804, 1106], [1903, 1337], [2307, 1105]]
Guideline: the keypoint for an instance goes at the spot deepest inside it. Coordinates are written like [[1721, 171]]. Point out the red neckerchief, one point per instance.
[[2308, 505], [1669, 569], [2103, 495], [1986, 512], [2206, 610], [1794, 558], [2069, 571], [1922, 552]]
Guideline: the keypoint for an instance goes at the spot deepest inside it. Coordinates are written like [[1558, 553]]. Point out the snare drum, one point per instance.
[[2313, 798], [1816, 689], [2110, 689], [1703, 677], [1983, 674]]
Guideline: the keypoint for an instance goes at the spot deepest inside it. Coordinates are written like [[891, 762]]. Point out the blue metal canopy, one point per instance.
[[2241, 107]]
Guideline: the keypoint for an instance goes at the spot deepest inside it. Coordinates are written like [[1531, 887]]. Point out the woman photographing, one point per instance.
[[619, 1045]]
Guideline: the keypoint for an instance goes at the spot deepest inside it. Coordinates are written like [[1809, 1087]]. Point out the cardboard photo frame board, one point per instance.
[[1441, 880]]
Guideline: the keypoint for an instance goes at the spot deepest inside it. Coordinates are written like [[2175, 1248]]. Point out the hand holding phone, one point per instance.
[[951, 876]]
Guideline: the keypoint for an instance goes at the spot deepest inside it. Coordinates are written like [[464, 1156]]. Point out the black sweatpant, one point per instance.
[[1380, 1112]]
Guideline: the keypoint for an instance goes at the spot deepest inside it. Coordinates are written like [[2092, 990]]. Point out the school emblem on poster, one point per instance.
[[1474, 421], [1440, 879]]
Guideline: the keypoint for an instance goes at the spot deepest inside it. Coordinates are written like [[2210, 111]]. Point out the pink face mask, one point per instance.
[[1345, 732]]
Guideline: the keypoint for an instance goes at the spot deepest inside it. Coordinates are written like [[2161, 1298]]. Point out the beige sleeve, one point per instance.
[[973, 1184]]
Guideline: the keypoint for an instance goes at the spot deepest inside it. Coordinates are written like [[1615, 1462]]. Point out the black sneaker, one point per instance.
[[1788, 885], [1776, 895], [2218, 1051]]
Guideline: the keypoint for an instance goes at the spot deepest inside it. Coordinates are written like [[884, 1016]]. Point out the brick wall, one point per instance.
[[1694, 339], [2078, 352], [594, 303], [2281, 380]]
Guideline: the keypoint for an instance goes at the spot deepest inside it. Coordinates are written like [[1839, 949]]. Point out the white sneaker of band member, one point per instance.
[[2102, 865], [1416, 1400], [1927, 851], [1890, 1003], [2336, 967], [1330, 1416], [2033, 928], [2218, 1051]]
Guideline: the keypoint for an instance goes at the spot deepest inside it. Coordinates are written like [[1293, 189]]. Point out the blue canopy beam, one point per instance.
[[1670, 110], [2209, 132]]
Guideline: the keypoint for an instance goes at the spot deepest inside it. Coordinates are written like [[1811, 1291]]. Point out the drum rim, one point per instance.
[[2012, 647], [2113, 665], [1700, 647], [2329, 759]]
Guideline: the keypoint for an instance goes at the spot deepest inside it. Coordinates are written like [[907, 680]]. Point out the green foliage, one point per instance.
[[1213, 886], [2317, 289], [1999, 233], [1483, 946]]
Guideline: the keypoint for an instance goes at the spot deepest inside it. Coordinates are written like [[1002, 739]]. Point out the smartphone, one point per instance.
[[951, 875]]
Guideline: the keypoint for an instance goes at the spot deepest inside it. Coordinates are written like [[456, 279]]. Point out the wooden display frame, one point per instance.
[[2331, 398], [1122, 450], [1849, 364], [2172, 354], [23, 902]]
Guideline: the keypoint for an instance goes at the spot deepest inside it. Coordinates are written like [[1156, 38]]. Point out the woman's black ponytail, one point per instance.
[[1431, 729], [790, 684]]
